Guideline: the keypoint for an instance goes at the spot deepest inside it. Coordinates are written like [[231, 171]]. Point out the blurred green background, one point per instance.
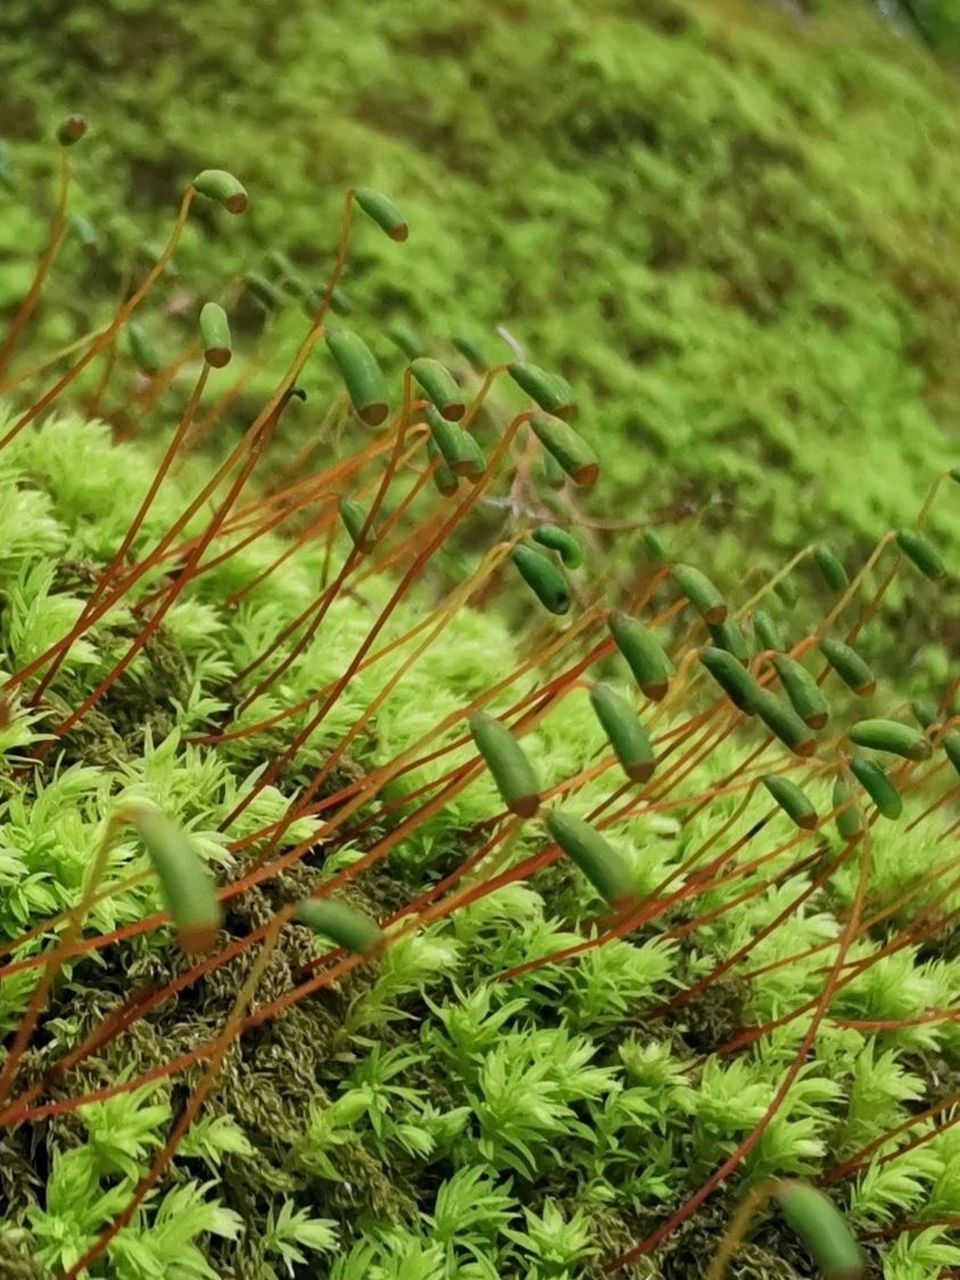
[[734, 226]]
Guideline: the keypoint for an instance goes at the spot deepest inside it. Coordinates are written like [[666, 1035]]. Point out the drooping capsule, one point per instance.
[[732, 677], [349, 928], [626, 734], [215, 335], [832, 570], [643, 653], [786, 591], [784, 723], [922, 553], [792, 800], [548, 390], [443, 477], [878, 786], [728, 635], [142, 349], [951, 745], [361, 375], [568, 448], [71, 130], [891, 736], [474, 354], [340, 303], [767, 632], [410, 343], [84, 233], [543, 577], [383, 212], [849, 666], [562, 540], [507, 762], [701, 593], [188, 891], [597, 859], [440, 387], [822, 1228], [267, 294], [925, 713], [459, 448], [806, 696], [849, 819], [219, 185], [655, 546], [354, 518], [553, 474]]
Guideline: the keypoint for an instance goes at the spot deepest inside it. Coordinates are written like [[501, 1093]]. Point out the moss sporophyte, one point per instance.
[[402, 873]]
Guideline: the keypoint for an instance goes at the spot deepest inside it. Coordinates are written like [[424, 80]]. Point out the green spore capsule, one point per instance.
[[443, 477], [849, 666], [878, 786], [626, 734], [354, 518], [71, 131], [792, 800], [849, 818], [361, 375], [383, 212], [219, 185], [922, 553], [459, 448], [654, 546], [474, 354], [597, 859], [822, 1228], [831, 569], [786, 591], [893, 737], [925, 713], [732, 677], [568, 448], [767, 632], [562, 540], [544, 579], [350, 929], [806, 696], [215, 335], [784, 723], [554, 475], [951, 745], [505, 758], [701, 593], [643, 653], [410, 343], [728, 635], [267, 294], [84, 233], [552, 393], [340, 302], [142, 349], [188, 891], [440, 387]]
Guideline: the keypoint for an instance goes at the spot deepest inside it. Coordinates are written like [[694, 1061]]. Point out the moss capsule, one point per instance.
[[440, 387], [784, 723], [626, 734], [568, 448], [354, 518], [444, 479], [951, 745], [732, 677], [925, 713], [410, 343], [219, 185], [188, 890], [474, 354], [548, 390], [878, 786], [553, 474], [544, 579], [350, 929], [643, 653], [922, 553], [701, 593], [215, 335], [849, 666], [383, 212], [767, 632], [459, 448], [505, 758], [792, 800], [654, 546], [893, 737], [831, 569], [142, 349], [562, 540], [822, 1228], [84, 233], [361, 375], [849, 819], [267, 294], [728, 635], [71, 131], [806, 696], [598, 860]]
